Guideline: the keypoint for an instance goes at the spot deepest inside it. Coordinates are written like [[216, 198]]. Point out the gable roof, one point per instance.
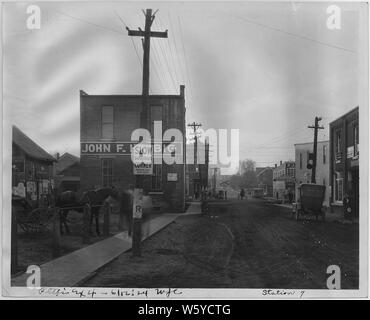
[[29, 147]]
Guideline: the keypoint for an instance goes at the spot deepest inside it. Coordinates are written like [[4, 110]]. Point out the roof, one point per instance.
[[29, 147], [354, 110], [66, 160]]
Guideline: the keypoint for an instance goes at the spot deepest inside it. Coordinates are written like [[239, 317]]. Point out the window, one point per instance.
[[107, 122], [338, 187], [338, 140], [355, 139], [324, 150], [157, 177], [107, 172], [300, 161]]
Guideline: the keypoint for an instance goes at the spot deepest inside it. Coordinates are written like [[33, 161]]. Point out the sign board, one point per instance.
[[350, 152], [138, 203], [171, 176], [125, 148], [142, 158], [96, 148], [143, 169]]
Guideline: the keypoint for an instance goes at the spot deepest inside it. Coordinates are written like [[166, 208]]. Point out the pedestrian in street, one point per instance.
[[126, 208], [242, 193], [347, 206]]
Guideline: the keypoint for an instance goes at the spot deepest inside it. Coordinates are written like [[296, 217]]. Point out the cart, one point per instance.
[[31, 220], [311, 198]]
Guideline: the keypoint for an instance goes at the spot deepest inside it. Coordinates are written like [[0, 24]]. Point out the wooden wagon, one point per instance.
[[311, 198]]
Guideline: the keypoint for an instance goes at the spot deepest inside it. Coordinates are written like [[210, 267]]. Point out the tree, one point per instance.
[[246, 177]]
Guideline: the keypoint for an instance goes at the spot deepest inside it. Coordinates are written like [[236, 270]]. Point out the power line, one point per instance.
[[185, 59], [90, 23], [292, 34], [167, 63]]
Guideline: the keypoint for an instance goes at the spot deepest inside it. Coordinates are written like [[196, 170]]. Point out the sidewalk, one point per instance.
[[69, 270]]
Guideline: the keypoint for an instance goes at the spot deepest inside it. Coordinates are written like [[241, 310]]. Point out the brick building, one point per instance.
[[107, 122], [344, 160], [284, 180], [303, 175]]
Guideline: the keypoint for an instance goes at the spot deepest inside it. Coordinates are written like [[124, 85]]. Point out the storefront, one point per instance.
[[344, 164], [32, 170]]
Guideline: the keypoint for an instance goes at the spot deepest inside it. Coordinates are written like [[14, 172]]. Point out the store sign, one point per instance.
[[126, 148], [171, 176], [142, 158], [350, 152], [138, 203], [96, 148]]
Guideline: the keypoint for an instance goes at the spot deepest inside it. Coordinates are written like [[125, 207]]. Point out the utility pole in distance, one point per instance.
[[195, 126], [145, 114], [316, 128]]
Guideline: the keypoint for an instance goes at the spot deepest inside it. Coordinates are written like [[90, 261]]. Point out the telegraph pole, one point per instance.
[[316, 128], [145, 114], [195, 126]]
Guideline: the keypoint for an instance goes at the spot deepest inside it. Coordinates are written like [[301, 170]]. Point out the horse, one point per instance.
[[96, 198], [66, 201]]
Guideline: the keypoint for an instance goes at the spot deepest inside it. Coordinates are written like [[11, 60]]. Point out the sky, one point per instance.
[[265, 69]]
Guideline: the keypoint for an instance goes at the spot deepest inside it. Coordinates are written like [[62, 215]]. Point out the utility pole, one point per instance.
[[145, 114], [316, 128], [195, 126]]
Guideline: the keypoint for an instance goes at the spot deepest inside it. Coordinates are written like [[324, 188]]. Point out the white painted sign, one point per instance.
[[142, 158], [350, 152], [171, 176], [138, 203]]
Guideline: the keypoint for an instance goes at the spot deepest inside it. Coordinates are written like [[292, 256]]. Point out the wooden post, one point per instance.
[[14, 240], [56, 233], [86, 224], [107, 211]]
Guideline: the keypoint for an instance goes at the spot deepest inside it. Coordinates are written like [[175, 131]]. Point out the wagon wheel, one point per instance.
[[297, 214], [37, 221], [323, 212]]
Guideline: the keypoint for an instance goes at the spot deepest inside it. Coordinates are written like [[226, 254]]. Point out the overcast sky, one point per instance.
[[265, 69]]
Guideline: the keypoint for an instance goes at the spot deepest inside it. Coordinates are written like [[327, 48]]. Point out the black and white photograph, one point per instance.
[[166, 150]]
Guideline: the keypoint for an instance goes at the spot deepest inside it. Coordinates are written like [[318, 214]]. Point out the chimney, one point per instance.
[[182, 90], [275, 165], [281, 162]]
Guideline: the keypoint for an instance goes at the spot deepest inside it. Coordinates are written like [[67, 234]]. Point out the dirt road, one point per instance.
[[239, 244]]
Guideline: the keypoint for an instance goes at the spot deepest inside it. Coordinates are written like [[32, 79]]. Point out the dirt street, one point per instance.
[[239, 244]]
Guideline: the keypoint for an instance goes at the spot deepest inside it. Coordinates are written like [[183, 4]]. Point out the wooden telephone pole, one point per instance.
[[316, 128], [195, 126], [145, 114]]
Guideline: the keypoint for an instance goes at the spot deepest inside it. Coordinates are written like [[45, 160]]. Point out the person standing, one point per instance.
[[126, 208], [242, 194]]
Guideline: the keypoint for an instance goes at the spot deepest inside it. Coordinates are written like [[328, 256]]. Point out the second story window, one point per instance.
[[324, 154], [300, 161], [338, 141], [107, 122]]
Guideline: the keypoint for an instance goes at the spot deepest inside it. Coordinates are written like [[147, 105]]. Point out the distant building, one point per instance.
[[304, 175], [284, 180], [67, 172], [344, 160], [107, 122], [32, 170], [197, 174], [265, 180]]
